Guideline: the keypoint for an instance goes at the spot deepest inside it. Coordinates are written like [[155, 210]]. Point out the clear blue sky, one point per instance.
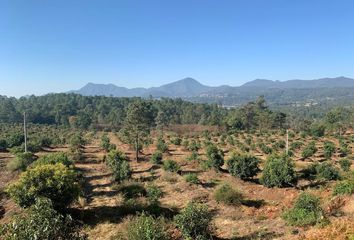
[[59, 45]]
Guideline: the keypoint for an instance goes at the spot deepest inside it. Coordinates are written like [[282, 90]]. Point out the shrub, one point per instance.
[[21, 161], [227, 195], [318, 130], [296, 145], [161, 145], [329, 148], [156, 157], [243, 166], [265, 149], [146, 227], [171, 166], [306, 211], [116, 160], [215, 157], [193, 156], [41, 222], [176, 141], [309, 150], [192, 178], [343, 188], [153, 194], [194, 146], [54, 158], [327, 171], [278, 172], [194, 221], [56, 182], [345, 164], [105, 142], [3, 144]]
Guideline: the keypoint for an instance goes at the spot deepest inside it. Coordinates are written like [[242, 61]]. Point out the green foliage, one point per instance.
[[146, 227], [296, 145], [56, 182], [243, 166], [156, 157], [215, 157], [105, 142], [176, 141], [309, 150], [278, 172], [131, 190], [318, 130], [3, 144], [227, 195], [345, 164], [329, 148], [344, 188], [327, 171], [193, 156], [117, 162], [161, 145], [41, 222], [306, 211], [53, 158], [265, 149], [21, 161], [192, 178], [171, 166], [194, 146], [153, 194], [194, 221]]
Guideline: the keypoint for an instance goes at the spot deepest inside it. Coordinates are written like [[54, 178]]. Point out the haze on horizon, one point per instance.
[[48, 46]]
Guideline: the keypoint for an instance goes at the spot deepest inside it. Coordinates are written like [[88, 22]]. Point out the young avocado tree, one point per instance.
[[137, 125]]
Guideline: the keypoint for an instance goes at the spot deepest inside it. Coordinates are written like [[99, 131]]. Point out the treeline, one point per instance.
[[98, 112]]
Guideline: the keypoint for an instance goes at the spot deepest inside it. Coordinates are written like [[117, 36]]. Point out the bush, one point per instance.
[[227, 195], [146, 227], [345, 164], [156, 157], [329, 148], [278, 172], [296, 145], [3, 144], [193, 156], [194, 221], [161, 145], [171, 166], [21, 161], [105, 142], [318, 130], [327, 171], [116, 160], [343, 188], [243, 166], [306, 211], [153, 194], [215, 157], [41, 222], [54, 158], [192, 178], [309, 150], [176, 141], [265, 149], [194, 146], [56, 182]]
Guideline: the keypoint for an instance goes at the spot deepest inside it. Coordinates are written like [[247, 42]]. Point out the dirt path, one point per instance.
[[99, 210]]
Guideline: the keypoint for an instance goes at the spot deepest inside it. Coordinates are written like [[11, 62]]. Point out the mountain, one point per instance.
[[291, 92], [318, 83]]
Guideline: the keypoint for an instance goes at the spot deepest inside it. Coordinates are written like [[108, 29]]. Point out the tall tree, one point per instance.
[[137, 125]]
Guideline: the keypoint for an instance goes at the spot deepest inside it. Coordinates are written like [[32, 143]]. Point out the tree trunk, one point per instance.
[[137, 149]]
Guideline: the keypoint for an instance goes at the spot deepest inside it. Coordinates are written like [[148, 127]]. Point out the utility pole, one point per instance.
[[287, 142], [25, 130]]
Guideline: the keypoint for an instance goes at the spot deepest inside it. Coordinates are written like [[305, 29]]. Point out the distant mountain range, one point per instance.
[[338, 90]]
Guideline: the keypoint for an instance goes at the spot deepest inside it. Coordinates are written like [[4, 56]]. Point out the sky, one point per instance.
[[60, 45]]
